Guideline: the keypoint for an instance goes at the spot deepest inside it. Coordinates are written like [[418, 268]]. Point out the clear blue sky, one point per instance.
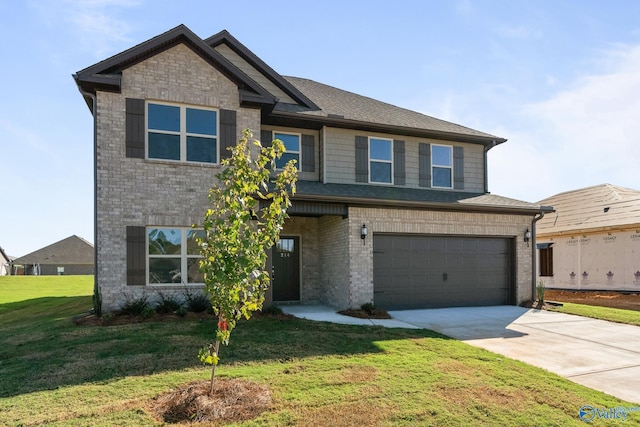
[[559, 79]]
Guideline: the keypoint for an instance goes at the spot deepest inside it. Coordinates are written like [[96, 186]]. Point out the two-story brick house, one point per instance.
[[392, 206]]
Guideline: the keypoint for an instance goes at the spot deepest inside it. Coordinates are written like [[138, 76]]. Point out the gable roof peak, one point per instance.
[[106, 74], [226, 38]]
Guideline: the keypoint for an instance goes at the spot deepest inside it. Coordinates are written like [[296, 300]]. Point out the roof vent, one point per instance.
[[606, 209]]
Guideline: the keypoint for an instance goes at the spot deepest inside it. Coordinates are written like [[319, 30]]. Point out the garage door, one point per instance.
[[417, 271]]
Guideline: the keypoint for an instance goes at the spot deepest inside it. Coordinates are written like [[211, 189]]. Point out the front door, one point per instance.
[[286, 269]]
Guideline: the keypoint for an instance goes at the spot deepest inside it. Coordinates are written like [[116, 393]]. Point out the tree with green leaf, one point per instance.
[[248, 207]]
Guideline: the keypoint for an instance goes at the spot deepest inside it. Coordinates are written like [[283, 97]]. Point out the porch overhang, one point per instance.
[[317, 209]]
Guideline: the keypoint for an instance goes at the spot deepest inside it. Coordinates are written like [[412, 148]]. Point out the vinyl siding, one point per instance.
[[303, 175], [340, 153]]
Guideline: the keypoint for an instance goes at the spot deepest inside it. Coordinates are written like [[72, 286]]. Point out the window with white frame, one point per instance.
[[173, 255], [442, 166], [291, 143], [182, 133], [380, 160]]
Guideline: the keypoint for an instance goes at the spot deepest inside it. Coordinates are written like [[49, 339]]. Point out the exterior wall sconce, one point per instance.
[[527, 236], [363, 232]]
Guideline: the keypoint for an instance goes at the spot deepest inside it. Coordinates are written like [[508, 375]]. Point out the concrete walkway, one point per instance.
[[598, 354]]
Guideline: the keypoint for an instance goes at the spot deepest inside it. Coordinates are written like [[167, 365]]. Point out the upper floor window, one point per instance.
[[380, 160], [177, 132], [292, 145], [442, 166], [173, 255]]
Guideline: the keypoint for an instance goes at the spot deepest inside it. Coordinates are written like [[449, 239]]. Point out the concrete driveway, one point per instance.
[[598, 354]]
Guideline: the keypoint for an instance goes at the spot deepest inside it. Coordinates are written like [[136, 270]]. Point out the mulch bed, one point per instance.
[[362, 314], [125, 319], [232, 400]]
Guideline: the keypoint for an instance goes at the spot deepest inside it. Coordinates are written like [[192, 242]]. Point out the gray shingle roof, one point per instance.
[[72, 250], [336, 102], [408, 197]]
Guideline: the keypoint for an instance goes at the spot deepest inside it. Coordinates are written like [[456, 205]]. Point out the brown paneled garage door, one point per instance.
[[418, 271]]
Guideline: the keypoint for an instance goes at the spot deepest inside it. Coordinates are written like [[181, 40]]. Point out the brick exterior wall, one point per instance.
[[138, 192], [334, 260], [336, 264], [430, 222]]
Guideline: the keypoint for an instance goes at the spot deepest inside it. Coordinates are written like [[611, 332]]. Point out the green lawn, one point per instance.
[[55, 373], [631, 317]]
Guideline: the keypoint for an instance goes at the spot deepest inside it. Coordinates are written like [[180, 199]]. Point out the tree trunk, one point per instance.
[[213, 367]]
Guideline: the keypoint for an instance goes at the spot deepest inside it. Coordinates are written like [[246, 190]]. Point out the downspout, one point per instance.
[[323, 159], [97, 297], [538, 217], [486, 165]]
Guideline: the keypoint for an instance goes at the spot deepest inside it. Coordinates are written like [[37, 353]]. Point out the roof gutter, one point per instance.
[[538, 217], [443, 206], [341, 122]]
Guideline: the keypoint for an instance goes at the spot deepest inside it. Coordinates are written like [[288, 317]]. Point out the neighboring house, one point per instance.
[[592, 241], [69, 256], [5, 263], [165, 113]]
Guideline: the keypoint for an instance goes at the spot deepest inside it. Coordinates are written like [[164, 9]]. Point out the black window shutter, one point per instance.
[[458, 168], [135, 128], [362, 159], [136, 256], [398, 162], [228, 137], [424, 165], [266, 138], [308, 162]]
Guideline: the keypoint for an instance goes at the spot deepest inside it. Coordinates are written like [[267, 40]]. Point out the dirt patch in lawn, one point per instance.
[[627, 301], [232, 400]]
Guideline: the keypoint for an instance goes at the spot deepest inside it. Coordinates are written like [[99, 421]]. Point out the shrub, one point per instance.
[[147, 312], [540, 291], [197, 302], [135, 306], [167, 304], [368, 308], [182, 311], [272, 309]]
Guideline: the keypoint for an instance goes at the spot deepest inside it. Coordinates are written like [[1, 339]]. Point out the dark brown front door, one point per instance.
[[286, 269]]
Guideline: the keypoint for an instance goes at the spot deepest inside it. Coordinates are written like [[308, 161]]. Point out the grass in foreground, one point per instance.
[[630, 317], [56, 373]]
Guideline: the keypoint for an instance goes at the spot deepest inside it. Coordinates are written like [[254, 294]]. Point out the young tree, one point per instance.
[[238, 233]]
